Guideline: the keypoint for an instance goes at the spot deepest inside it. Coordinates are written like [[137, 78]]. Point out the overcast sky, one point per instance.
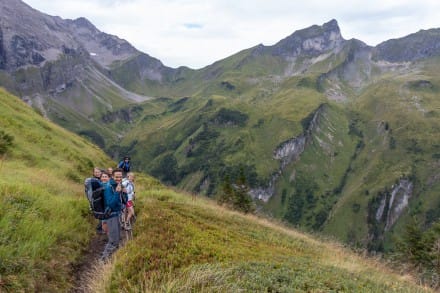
[[196, 33]]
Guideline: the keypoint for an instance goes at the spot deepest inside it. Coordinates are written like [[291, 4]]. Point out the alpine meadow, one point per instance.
[[311, 165], [180, 244]]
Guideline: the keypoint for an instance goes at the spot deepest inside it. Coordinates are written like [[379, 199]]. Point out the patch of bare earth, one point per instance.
[[83, 271]]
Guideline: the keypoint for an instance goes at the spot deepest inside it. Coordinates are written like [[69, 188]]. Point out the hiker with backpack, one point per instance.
[[105, 177], [90, 185], [125, 165], [97, 173], [112, 207]]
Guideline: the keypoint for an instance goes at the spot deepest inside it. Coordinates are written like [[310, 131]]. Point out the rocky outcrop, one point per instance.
[[2, 52], [30, 37], [265, 193], [290, 150], [391, 207], [355, 70], [312, 41], [420, 45], [59, 61], [103, 48], [53, 77], [123, 115], [384, 210], [25, 51], [286, 153]]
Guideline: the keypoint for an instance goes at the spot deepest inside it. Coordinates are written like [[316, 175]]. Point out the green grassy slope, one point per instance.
[[43, 217], [75, 93], [239, 113], [400, 126], [183, 244], [318, 174], [227, 129]]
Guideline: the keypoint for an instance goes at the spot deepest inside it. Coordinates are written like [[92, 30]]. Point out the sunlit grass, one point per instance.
[[44, 221], [187, 244], [182, 243]]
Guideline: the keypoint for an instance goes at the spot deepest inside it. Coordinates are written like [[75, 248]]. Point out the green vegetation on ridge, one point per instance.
[[43, 217], [182, 244]]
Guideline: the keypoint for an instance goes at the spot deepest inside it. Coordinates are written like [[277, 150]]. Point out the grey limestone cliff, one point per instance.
[[311, 41], [287, 152], [391, 208]]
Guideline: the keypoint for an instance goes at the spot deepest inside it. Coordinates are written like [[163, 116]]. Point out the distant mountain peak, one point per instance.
[[332, 25], [420, 45], [313, 40], [85, 23]]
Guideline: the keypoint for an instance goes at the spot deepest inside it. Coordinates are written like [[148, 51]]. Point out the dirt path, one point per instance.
[[82, 270]]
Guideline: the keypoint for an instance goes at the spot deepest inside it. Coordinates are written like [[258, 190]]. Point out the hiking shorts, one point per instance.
[[129, 204]]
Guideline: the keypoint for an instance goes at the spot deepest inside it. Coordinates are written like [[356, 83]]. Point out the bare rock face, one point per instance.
[[30, 37], [2, 52], [45, 54], [312, 41], [286, 153], [420, 45], [103, 48], [394, 205]]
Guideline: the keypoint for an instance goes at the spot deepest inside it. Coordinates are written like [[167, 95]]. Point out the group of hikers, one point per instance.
[[111, 194]]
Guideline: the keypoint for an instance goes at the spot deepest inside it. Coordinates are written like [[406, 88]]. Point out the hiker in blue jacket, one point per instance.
[[125, 165], [113, 205]]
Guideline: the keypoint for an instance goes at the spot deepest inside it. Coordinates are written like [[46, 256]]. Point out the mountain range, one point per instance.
[[332, 134]]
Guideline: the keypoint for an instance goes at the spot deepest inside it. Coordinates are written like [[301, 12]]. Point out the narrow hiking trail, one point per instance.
[[83, 270]]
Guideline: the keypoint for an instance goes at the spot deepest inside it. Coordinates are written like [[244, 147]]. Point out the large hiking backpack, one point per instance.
[[95, 194]]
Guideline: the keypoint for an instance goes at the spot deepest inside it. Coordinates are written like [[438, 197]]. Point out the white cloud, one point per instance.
[[196, 33]]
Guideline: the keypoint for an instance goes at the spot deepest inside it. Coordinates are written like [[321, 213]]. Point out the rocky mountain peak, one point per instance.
[[331, 26], [311, 41], [83, 22], [103, 48], [420, 45], [30, 37]]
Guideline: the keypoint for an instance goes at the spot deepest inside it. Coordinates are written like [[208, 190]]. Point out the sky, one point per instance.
[[196, 33]]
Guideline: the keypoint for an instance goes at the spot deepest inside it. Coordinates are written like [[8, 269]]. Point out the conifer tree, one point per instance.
[[227, 193], [242, 199], [421, 248]]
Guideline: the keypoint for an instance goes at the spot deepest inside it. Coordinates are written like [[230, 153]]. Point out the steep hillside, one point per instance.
[[60, 67], [180, 244], [330, 133], [394, 176], [299, 53], [183, 244], [326, 130], [238, 111], [43, 220]]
